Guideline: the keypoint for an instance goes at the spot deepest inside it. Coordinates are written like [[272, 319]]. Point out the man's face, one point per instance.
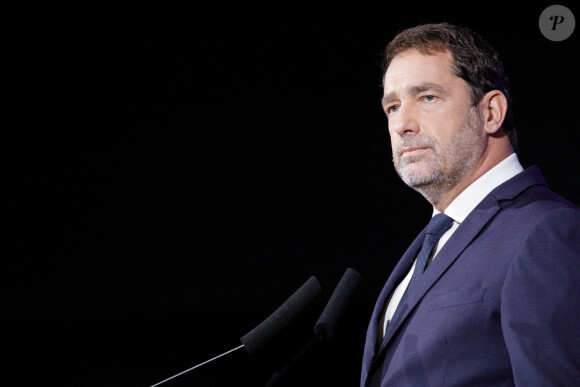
[[436, 135]]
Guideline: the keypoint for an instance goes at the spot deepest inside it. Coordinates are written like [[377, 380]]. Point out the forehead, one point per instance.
[[412, 67]]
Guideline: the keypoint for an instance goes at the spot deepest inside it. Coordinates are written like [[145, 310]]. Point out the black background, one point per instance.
[[191, 174]]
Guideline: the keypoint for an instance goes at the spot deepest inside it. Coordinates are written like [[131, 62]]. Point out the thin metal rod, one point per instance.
[[199, 365]]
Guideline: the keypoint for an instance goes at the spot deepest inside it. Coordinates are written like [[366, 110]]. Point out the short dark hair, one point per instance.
[[474, 60]]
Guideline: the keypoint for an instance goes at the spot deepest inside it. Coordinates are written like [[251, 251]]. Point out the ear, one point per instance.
[[494, 108]]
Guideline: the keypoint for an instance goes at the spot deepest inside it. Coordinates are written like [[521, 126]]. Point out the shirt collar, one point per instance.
[[467, 200]]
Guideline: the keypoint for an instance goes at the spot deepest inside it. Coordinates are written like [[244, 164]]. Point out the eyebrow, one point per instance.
[[414, 90]]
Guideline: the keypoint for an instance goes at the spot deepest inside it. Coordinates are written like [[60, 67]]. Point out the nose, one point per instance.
[[404, 122]]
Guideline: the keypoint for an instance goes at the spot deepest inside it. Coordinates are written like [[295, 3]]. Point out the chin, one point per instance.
[[414, 170], [417, 175]]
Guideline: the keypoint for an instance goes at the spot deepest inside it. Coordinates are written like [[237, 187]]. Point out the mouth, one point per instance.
[[411, 151]]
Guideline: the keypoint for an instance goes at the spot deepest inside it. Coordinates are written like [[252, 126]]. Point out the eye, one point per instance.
[[429, 98], [391, 109]]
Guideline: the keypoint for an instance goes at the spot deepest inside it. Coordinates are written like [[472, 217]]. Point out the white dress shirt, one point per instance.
[[458, 210]]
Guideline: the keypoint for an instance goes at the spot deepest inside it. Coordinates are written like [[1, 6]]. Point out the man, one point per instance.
[[489, 293]]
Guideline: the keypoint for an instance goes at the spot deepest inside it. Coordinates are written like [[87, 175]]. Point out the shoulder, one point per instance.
[[548, 218], [549, 244], [538, 205], [529, 190], [541, 230]]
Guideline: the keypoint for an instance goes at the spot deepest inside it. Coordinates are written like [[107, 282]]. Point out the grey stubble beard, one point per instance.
[[448, 166]]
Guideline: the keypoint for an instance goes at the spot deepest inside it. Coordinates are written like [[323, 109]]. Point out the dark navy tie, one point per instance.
[[438, 225]]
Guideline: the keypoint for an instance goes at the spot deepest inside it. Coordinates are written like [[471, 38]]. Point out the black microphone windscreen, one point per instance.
[[337, 303], [283, 316]]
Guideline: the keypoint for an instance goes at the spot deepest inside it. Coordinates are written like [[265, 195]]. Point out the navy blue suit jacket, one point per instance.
[[500, 304]]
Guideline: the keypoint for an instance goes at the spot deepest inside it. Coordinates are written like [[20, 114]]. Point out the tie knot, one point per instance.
[[439, 224]]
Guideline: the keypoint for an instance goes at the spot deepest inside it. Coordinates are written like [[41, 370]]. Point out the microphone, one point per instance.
[[282, 317], [324, 327], [271, 326], [337, 304]]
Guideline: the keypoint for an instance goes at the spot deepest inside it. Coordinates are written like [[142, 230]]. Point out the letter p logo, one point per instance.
[[557, 23], [557, 20]]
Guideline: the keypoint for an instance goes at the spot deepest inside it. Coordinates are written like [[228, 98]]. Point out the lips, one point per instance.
[[408, 151]]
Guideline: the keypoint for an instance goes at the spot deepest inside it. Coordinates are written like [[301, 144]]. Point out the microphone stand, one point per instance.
[[199, 365], [275, 378]]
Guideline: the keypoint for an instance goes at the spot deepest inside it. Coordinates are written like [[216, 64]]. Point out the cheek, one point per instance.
[[446, 126], [394, 140], [441, 132], [392, 134]]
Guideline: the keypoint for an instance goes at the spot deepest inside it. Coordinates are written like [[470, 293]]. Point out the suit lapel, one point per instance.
[[460, 239], [399, 272]]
